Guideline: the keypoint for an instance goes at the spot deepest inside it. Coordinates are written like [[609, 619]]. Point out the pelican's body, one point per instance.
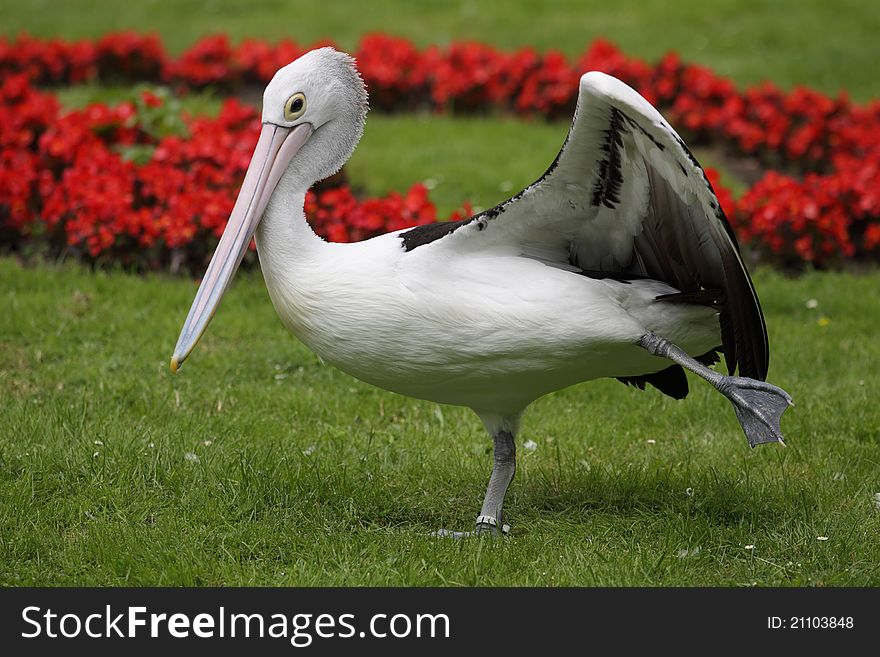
[[617, 262], [452, 328]]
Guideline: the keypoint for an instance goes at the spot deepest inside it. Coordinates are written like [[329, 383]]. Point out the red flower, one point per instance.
[[550, 89], [210, 61], [392, 69], [130, 56]]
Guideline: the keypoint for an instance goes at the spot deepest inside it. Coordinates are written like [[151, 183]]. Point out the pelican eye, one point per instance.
[[295, 107]]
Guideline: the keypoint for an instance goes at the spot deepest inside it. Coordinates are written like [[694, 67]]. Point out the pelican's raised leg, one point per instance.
[[758, 405], [491, 518]]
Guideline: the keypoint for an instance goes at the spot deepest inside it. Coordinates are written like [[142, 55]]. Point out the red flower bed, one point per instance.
[[66, 177]]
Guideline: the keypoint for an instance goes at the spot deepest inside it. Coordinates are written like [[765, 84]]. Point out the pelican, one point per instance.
[[617, 262]]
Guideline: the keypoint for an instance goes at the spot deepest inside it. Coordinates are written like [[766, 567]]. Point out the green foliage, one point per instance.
[[163, 116], [260, 465], [166, 120]]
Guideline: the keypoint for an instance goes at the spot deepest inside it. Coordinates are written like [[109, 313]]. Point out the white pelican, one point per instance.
[[617, 262]]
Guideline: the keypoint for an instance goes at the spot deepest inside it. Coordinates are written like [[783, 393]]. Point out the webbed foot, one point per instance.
[[759, 407]]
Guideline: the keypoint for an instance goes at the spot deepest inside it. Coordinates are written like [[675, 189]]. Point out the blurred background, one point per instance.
[[826, 46]]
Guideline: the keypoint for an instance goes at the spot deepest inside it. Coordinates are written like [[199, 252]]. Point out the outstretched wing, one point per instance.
[[625, 197]]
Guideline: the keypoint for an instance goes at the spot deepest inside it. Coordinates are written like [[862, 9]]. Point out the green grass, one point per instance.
[[302, 475]]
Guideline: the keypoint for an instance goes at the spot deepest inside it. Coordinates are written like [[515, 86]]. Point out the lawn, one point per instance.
[[260, 465]]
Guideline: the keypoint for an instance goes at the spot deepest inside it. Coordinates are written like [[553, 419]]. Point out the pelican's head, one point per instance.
[[323, 91], [313, 117]]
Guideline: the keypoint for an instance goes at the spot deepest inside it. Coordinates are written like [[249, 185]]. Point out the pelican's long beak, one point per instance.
[[275, 149]]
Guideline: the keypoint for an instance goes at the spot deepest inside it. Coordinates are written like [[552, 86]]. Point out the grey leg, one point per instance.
[[492, 514], [491, 518], [758, 405]]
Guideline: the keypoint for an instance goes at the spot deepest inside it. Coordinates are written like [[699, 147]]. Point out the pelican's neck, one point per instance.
[[285, 240], [290, 257], [293, 259]]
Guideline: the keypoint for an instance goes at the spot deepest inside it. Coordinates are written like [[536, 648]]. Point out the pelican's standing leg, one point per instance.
[[491, 516], [758, 405], [491, 519]]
